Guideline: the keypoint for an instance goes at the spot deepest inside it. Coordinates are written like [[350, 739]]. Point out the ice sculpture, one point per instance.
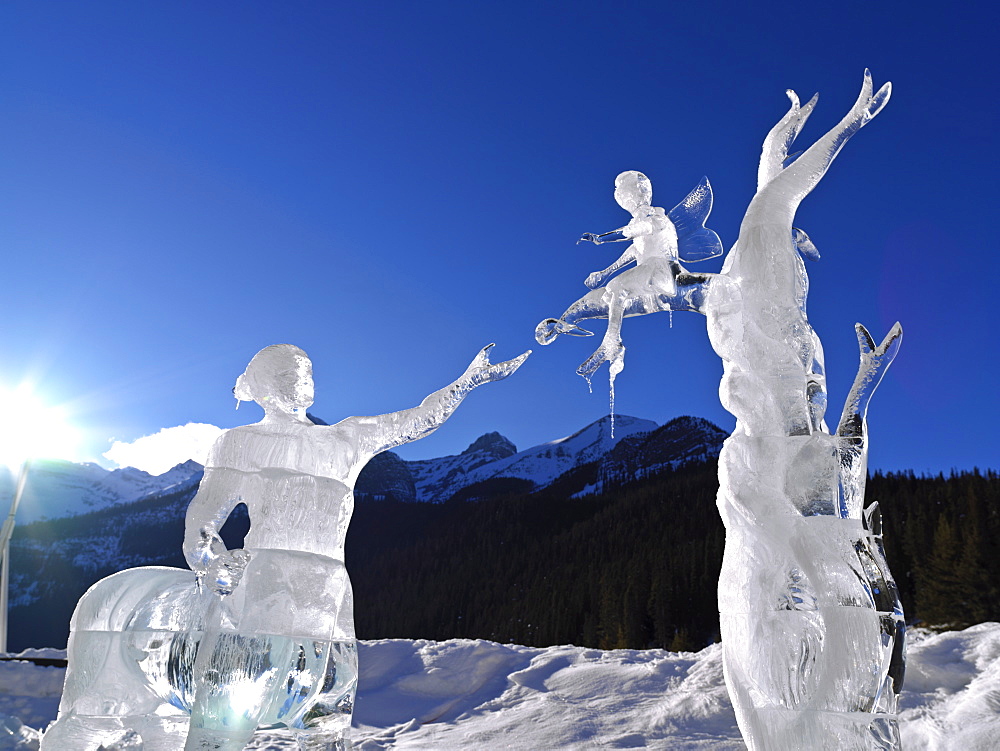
[[162, 659], [657, 282], [812, 628]]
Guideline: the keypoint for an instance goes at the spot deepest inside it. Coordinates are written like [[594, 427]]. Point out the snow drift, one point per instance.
[[464, 694]]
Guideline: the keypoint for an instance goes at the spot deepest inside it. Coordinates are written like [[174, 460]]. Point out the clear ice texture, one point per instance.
[[163, 659], [657, 282], [812, 629]]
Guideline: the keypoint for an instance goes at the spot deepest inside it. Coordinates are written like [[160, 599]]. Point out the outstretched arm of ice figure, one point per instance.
[[794, 182], [614, 236], [384, 432], [874, 362], [596, 279]]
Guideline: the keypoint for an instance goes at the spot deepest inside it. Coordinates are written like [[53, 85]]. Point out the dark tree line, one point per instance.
[[635, 566], [940, 535], [632, 568]]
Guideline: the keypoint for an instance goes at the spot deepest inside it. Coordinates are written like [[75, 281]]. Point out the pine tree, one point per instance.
[[939, 596], [974, 585]]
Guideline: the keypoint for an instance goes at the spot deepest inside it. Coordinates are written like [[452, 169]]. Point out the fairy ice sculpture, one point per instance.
[[261, 636], [812, 628], [656, 283]]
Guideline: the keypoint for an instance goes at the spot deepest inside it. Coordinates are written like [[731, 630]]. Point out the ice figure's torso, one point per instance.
[[654, 245], [296, 480], [653, 236]]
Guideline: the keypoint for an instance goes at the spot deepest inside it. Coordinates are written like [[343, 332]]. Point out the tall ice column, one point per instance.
[[811, 625]]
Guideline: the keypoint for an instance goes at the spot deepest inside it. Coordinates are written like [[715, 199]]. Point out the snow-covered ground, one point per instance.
[[464, 694]]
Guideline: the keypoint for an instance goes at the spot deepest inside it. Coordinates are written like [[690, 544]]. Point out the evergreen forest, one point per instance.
[[635, 566]]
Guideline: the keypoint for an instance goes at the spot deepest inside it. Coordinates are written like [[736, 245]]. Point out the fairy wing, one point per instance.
[[695, 242]]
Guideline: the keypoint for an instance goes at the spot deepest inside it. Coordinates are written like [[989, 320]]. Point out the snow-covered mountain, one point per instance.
[[638, 448], [139, 520], [439, 479], [465, 694], [58, 488], [680, 441]]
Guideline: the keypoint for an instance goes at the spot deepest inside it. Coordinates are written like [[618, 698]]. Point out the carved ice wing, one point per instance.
[[694, 241]]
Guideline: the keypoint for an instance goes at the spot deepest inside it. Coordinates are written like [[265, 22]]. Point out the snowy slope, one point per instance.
[[58, 488], [476, 694], [440, 478], [952, 690], [493, 457], [544, 463], [680, 441], [465, 694]]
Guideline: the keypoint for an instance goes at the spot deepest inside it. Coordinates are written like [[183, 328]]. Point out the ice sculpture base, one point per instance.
[[268, 681], [139, 650], [794, 730], [812, 646]]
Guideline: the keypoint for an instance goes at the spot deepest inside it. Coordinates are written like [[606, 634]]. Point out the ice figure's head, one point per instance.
[[279, 378], [633, 190]]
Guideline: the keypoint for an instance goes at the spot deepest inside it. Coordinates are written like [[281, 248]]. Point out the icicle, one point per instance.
[[615, 367], [612, 405]]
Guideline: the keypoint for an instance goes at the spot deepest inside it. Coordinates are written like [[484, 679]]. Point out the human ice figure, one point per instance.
[[266, 636], [656, 283]]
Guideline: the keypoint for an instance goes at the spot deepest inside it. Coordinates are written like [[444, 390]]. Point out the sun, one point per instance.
[[29, 429]]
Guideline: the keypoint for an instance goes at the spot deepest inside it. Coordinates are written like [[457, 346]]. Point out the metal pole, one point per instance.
[[5, 534]]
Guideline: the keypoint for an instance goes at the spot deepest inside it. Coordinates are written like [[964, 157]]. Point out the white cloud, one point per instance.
[[161, 451]]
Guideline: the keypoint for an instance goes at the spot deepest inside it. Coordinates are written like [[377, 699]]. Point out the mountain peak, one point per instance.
[[190, 465], [493, 443], [599, 431], [680, 441]]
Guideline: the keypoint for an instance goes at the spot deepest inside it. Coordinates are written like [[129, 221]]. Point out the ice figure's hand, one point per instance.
[[203, 548], [869, 105], [225, 572], [614, 236], [594, 280], [547, 331], [481, 371]]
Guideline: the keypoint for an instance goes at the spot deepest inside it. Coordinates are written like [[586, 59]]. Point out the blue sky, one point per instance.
[[391, 186]]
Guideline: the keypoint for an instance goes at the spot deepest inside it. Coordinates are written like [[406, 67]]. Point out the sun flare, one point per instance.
[[29, 429]]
